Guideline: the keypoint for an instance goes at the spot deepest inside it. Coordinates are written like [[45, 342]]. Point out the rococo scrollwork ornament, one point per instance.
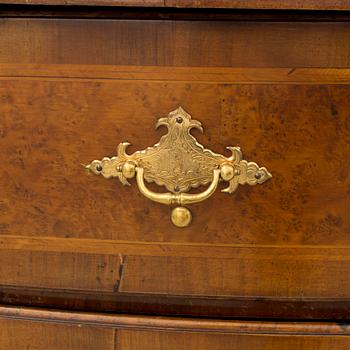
[[179, 163]]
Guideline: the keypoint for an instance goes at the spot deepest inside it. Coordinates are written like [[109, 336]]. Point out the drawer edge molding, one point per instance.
[[209, 75], [179, 324]]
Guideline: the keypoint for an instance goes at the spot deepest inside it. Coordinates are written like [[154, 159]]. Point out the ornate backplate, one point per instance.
[[180, 163]]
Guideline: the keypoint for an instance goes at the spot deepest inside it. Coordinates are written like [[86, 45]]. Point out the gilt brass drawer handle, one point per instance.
[[180, 163]]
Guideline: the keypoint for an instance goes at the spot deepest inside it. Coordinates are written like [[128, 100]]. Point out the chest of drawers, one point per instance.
[[76, 81]]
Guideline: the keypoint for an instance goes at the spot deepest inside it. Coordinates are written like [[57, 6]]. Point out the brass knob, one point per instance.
[[181, 216]]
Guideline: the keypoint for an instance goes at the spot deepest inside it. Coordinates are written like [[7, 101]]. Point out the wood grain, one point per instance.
[[173, 249], [208, 75], [171, 43], [69, 217], [226, 271], [277, 278], [142, 323], [87, 272], [138, 340], [71, 90], [45, 191], [31, 335], [43, 329]]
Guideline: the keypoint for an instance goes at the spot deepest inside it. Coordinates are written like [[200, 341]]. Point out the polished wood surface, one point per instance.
[[169, 324], [41, 329], [208, 75], [310, 245], [72, 90], [173, 341], [175, 43], [19, 335], [282, 272], [305, 204], [58, 270]]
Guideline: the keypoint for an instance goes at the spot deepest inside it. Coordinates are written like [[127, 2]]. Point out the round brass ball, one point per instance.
[[128, 169], [181, 217], [226, 172]]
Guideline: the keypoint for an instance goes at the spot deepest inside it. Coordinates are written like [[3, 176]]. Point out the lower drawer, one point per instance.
[[24, 328]]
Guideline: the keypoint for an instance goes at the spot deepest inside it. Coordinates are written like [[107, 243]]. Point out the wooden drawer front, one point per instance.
[[50, 127], [19, 334], [43, 329], [77, 90], [146, 340]]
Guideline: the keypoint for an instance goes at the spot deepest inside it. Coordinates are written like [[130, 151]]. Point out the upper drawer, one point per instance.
[[72, 90]]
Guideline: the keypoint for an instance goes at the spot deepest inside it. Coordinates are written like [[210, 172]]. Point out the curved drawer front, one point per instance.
[[279, 249], [42, 329]]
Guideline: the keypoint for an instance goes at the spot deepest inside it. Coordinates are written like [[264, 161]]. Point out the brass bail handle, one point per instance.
[[180, 216], [198, 166]]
